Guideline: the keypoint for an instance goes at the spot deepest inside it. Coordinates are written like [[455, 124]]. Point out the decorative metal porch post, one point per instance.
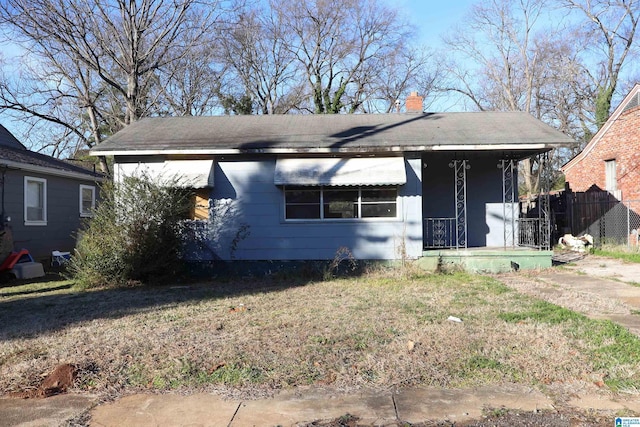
[[460, 168], [544, 210], [509, 192]]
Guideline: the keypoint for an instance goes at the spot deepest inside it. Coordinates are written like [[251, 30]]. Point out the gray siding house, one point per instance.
[[382, 186], [43, 199]]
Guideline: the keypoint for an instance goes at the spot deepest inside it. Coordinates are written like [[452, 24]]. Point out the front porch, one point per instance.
[[471, 213]]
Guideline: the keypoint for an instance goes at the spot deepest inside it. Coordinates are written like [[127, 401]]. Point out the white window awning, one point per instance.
[[186, 173], [355, 171]]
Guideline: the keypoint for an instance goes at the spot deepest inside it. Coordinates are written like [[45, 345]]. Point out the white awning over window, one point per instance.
[[187, 173], [354, 171]]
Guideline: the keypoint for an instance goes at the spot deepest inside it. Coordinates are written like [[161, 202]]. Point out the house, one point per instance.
[[611, 160], [43, 199], [377, 186]]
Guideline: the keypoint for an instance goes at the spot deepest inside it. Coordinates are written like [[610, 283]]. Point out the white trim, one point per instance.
[[312, 150], [93, 200], [43, 181], [49, 171], [463, 147]]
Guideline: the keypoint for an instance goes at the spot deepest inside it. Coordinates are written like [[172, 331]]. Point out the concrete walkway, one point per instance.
[[600, 288]]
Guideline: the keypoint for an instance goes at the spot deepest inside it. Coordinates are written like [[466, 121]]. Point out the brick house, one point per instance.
[[611, 160]]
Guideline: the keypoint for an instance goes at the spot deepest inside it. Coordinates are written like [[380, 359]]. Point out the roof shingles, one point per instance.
[[344, 132]]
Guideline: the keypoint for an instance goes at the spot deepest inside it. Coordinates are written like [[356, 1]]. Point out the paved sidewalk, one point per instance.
[[288, 408], [300, 407], [52, 411], [294, 408]]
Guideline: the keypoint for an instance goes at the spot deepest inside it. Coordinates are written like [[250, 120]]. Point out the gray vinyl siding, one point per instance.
[[63, 214], [485, 214], [259, 204]]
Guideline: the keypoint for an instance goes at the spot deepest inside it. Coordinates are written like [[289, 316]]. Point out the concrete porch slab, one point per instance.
[[485, 260]]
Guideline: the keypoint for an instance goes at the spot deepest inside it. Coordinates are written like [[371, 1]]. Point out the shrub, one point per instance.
[[133, 235]]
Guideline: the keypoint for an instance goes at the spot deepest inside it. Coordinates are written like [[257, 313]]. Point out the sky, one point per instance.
[[434, 17]]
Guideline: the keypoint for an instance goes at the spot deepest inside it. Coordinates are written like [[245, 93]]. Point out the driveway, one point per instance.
[[598, 287]]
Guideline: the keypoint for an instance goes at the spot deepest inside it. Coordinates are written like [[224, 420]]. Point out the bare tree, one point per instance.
[[256, 48], [405, 70], [518, 64], [339, 47], [608, 35], [190, 86], [102, 56]]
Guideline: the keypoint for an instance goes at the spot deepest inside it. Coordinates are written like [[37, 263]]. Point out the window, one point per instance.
[[87, 200], [302, 203], [610, 180], [335, 203], [35, 201]]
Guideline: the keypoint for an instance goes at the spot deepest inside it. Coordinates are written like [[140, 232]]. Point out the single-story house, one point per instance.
[[611, 160], [43, 199], [378, 186]]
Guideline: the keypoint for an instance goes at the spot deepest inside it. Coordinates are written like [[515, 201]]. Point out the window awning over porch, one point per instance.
[[354, 171], [184, 173]]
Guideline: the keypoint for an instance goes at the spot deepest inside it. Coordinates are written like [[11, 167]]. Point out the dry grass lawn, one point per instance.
[[252, 337]]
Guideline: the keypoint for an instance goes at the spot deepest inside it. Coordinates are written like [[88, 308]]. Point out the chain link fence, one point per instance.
[[611, 223]]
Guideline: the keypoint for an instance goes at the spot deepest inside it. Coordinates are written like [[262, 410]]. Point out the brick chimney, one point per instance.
[[413, 103]]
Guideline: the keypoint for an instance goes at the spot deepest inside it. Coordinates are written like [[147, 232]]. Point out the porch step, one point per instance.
[[485, 260]]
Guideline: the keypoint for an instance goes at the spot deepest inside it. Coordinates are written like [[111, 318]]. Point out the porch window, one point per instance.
[[35, 201], [331, 203]]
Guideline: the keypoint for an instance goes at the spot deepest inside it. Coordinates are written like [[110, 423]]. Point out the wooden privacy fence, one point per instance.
[[595, 212]]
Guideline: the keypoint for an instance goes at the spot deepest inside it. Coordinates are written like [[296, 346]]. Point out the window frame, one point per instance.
[[38, 222], [93, 200], [611, 175], [359, 203]]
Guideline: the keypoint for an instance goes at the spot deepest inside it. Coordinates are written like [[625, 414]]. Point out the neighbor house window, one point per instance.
[[334, 203], [610, 180], [35, 201], [87, 200]]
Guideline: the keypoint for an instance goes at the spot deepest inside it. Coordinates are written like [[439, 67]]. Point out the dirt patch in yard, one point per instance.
[[57, 382]]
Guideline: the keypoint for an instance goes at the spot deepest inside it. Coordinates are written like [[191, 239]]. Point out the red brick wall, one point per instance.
[[620, 142]]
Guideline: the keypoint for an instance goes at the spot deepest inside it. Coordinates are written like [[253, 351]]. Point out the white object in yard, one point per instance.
[[28, 270], [454, 319], [577, 244], [59, 258]]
